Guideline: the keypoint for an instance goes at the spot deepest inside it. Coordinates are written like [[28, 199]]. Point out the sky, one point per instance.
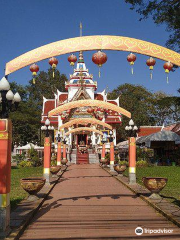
[[26, 25]]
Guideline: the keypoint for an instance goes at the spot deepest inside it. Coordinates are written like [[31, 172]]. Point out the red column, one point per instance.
[[64, 151], [132, 160], [59, 154], [112, 156], [5, 174], [47, 158], [103, 152]]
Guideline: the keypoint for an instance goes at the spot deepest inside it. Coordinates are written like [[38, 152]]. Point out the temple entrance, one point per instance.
[[82, 139]]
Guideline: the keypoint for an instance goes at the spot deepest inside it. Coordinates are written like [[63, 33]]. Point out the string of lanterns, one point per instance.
[[99, 58]]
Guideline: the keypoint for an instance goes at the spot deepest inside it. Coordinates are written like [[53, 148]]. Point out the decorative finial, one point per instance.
[[81, 59]]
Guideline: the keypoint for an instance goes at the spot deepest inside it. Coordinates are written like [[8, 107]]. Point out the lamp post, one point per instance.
[[59, 149], [103, 148], [131, 130], [47, 150], [64, 152], [8, 102], [47, 127], [111, 138]]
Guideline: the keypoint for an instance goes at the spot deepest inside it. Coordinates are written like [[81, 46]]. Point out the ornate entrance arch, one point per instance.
[[85, 121], [87, 103], [84, 129], [87, 43]]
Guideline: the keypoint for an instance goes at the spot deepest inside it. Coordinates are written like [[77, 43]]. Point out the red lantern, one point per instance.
[[53, 62], [68, 111], [90, 110], [99, 58], [72, 59], [131, 58], [150, 63], [168, 67], [34, 68]]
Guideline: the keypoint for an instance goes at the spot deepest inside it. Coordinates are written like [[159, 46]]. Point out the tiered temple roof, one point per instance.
[[79, 86]]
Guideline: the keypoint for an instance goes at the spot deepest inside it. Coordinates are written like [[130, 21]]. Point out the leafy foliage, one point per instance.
[[147, 108], [163, 12], [27, 119]]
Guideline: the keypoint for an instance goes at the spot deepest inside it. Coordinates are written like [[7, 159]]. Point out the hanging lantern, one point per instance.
[[63, 117], [131, 58], [99, 58], [72, 59], [90, 110], [34, 68], [150, 63], [53, 62], [168, 67]]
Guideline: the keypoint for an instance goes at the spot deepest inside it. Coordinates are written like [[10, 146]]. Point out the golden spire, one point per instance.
[[81, 59]]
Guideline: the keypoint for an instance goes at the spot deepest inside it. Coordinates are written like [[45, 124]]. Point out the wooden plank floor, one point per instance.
[[88, 203]]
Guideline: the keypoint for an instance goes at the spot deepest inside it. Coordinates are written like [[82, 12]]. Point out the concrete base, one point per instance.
[[32, 198], [47, 177], [112, 168], [155, 196], [120, 175], [4, 221], [132, 178], [54, 175]]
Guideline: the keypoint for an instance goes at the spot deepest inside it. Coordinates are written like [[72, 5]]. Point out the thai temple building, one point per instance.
[[81, 86]]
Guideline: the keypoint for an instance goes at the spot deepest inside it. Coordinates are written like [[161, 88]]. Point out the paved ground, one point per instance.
[[88, 203]]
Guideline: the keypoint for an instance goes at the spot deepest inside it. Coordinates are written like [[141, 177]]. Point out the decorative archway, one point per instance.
[[85, 121], [87, 43], [84, 129], [87, 103]]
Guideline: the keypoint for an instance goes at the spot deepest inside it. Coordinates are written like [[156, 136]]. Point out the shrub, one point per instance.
[[19, 158], [36, 161], [123, 162], [33, 156], [141, 163], [25, 163]]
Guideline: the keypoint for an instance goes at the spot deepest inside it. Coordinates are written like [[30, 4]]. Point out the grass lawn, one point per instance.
[[17, 193], [172, 189]]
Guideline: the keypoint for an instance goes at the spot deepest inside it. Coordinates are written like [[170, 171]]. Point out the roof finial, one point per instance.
[[80, 26], [81, 59]]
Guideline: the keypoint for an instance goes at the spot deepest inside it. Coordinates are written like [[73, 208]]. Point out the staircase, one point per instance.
[[82, 158]]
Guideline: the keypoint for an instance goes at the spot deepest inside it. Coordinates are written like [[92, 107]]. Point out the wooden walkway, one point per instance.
[[88, 203]]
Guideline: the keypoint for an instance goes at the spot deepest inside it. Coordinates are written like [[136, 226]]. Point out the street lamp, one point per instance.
[[7, 99], [131, 130], [47, 127], [132, 134], [110, 136]]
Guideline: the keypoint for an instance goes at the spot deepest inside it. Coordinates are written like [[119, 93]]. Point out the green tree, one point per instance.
[[163, 12], [167, 108], [137, 100], [27, 119]]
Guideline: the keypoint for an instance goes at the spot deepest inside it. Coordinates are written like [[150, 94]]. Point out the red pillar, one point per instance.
[[47, 158], [64, 151], [132, 160], [5, 174], [111, 156], [59, 154], [103, 152]]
